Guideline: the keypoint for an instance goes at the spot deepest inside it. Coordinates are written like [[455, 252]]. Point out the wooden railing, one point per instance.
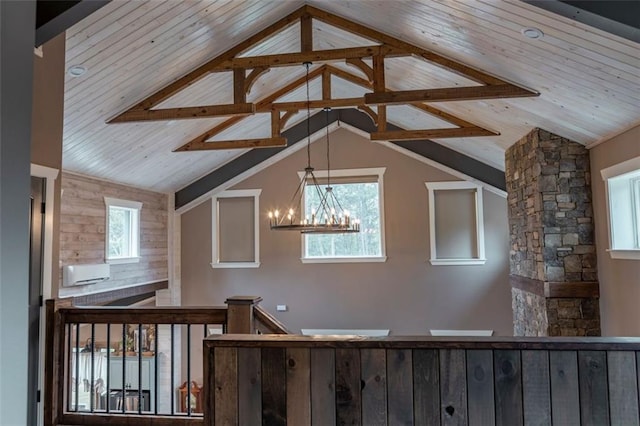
[[265, 323], [299, 380], [116, 341]]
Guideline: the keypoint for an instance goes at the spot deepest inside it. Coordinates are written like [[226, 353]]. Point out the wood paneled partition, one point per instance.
[[342, 380]]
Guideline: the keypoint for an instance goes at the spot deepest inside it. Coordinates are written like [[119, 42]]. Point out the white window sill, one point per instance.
[[624, 254], [456, 262], [380, 259], [123, 260], [232, 265]]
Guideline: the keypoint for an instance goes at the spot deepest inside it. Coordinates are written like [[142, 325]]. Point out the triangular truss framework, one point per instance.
[[246, 70]]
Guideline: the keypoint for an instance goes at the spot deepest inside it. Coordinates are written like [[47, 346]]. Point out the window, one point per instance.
[[236, 242], [360, 192], [622, 191], [123, 231], [456, 225]]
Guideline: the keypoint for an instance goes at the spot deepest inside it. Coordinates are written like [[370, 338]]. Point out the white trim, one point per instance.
[[117, 202], [627, 166], [354, 259], [614, 171], [233, 265], [461, 332], [370, 171], [479, 207], [457, 262], [625, 254], [215, 228], [174, 235], [344, 332], [123, 260], [50, 175]]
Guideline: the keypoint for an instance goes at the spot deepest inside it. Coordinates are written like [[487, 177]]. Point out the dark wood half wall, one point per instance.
[[426, 148]]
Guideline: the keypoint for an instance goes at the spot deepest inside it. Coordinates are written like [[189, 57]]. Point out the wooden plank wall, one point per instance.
[[387, 386], [82, 231]]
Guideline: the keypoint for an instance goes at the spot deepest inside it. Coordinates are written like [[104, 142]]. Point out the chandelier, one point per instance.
[[328, 217]]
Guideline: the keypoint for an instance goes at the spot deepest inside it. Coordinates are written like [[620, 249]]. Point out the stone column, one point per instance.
[[554, 281]]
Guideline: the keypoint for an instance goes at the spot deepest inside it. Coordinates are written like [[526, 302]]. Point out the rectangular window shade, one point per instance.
[[236, 229], [455, 217]]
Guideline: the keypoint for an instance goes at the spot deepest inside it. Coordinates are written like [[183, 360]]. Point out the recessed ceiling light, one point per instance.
[[77, 70], [532, 33]]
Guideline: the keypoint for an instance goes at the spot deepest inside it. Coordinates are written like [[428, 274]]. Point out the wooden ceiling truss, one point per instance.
[[248, 69]]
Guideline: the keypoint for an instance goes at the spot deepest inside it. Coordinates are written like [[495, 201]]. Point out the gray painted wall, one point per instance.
[[405, 294], [619, 278], [17, 23]]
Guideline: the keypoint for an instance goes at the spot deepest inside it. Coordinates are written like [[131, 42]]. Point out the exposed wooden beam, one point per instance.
[[405, 135], [295, 58], [450, 118], [326, 84], [306, 33], [362, 66], [448, 94], [253, 76], [193, 76], [262, 106], [184, 113], [372, 34], [321, 103], [244, 143], [239, 92], [370, 112], [286, 117]]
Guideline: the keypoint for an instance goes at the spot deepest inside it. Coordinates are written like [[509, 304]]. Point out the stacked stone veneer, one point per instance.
[[551, 229]]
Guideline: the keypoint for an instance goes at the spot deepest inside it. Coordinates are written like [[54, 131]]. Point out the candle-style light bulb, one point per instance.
[[276, 213], [291, 212]]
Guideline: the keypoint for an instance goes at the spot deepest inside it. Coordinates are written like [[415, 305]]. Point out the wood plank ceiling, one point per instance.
[[589, 80]]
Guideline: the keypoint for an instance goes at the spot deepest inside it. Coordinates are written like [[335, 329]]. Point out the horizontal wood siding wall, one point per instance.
[[82, 231], [325, 384]]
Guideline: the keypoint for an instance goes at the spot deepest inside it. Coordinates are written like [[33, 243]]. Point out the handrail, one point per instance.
[[63, 321], [267, 322], [153, 315]]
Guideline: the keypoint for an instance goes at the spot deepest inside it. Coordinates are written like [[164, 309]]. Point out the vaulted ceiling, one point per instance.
[[588, 80]]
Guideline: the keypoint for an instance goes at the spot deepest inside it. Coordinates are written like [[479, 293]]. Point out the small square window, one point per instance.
[[622, 189], [122, 231]]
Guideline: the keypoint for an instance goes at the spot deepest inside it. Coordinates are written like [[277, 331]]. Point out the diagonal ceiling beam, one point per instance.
[[240, 167], [385, 46]]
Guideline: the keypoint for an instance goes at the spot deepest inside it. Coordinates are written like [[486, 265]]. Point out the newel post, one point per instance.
[[240, 314]]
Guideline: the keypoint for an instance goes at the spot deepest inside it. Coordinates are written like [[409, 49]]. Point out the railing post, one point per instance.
[[240, 314]]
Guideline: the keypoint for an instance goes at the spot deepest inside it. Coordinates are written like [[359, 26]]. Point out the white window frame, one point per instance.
[[340, 173], [617, 170], [215, 228], [453, 186], [134, 205]]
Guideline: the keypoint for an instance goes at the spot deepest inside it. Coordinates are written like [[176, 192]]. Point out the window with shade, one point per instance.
[[235, 228], [122, 230], [360, 192], [456, 229], [622, 189]]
